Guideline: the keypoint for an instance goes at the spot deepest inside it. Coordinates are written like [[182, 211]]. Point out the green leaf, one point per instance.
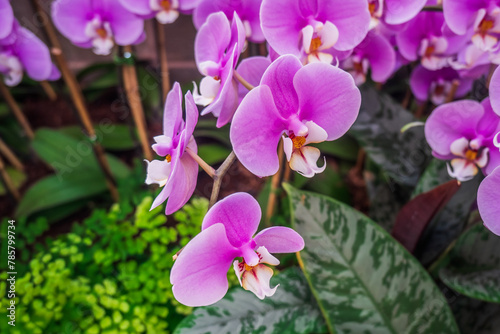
[[115, 137], [53, 191], [474, 265], [434, 175], [17, 178], [292, 309], [364, 281], [475, 316], [403, 156], [213, 153]]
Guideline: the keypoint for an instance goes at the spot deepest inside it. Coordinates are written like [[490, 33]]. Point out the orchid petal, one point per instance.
[[279, 239], [127, 28], [34, 55], [7, 16], [258, 280], [495, 89], [305, 160], [71, 20], [487, 201], [172, 114], [266, 257], [212, 39], [185, 182]]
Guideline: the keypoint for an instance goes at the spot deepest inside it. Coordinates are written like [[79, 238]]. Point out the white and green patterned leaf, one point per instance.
[[364, 280], [474, 265], [292, 309]]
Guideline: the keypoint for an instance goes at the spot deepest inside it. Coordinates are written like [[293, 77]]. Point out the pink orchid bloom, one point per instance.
[[178, 172], [165, 11], [199, 275], [307, 104], [487, 201]]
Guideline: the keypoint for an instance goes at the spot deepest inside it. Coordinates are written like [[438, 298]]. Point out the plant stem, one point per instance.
[[206, 167], [10, 156], [432, 9], [8, 182], [47, 87], [77, 97], [162, 53], [242, 81], [218, 176], [134, 101], [451, 95], [16, 110], [275, 182]]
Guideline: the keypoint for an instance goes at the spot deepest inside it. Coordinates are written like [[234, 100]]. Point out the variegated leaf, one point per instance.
[[364, 280], [474, 267]]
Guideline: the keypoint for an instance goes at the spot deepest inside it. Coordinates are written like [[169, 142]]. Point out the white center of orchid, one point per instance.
[[11, 68], [376, 8], [439, 91], [302, 158], [257, 278], [318, 37], [209, 88], [358, 67], [159, 171], [101, 34], [166, 10], [432, 52], [487, 29], [470, 156]]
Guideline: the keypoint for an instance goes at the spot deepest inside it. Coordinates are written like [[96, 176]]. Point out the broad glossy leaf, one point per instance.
[[403, 156], [116, 137], [363, 279], [475, 316], [292, 309], [213, 153], [474, 267], [434, 175]]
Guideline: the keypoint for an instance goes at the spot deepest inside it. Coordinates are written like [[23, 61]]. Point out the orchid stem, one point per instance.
[[275, 182], [432, 9], [77, 97], [49, 91], [16, 110], [10, 156], [9, 184], [162, 53], [451, 95], [242, 81], [218, 176], [206, 167], [134, 101]]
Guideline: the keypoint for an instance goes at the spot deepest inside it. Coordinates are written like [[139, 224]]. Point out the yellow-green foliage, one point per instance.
[[110, 275]]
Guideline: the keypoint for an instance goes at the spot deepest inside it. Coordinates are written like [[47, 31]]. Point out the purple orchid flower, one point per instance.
[[495, 91], [165, 11], [251, 69], [97, 24], [22, 51], [437, 85], [487, 201], [393, 12], [217, 47], [464, 132], [6, 18], [309, 104], [315, 30], [375, 53], [482, 16], [199, 275], [428, 39], [178, 172], [247, 10]]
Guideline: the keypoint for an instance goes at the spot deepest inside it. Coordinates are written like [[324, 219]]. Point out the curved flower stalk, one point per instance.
[[480, 16], [165, 11], [487, 201], [6, 18], [464, 132], [199, 275], [393, 12], [217, 47], [428, 39], [22, 51], [97, 24], [375, 53], [315, 30], [252, 69], [247, 10], [178, 172], [305, 104], [437, 85]]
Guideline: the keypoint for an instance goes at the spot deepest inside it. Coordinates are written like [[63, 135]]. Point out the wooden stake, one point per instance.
[[134, 101], [10, 156], [77, 97], [162, 54], [47, 87], [16, 110], [9, 184]]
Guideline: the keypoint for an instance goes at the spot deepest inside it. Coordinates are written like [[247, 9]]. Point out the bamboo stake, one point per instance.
[[162, 53], [218, 176], [9, 184], [16, 110], [10, 156], [77, 97], [134, 101], [48, 90]]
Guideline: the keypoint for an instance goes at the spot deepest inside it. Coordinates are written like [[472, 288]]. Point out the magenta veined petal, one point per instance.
[[401, 11], [460, 14], [7, 21], [172, 114], [199, 275], [487, 201], [280, 239], [127, 27], [34, 55], [71, 18], [239, 213], [212, 41], [139, 7]]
